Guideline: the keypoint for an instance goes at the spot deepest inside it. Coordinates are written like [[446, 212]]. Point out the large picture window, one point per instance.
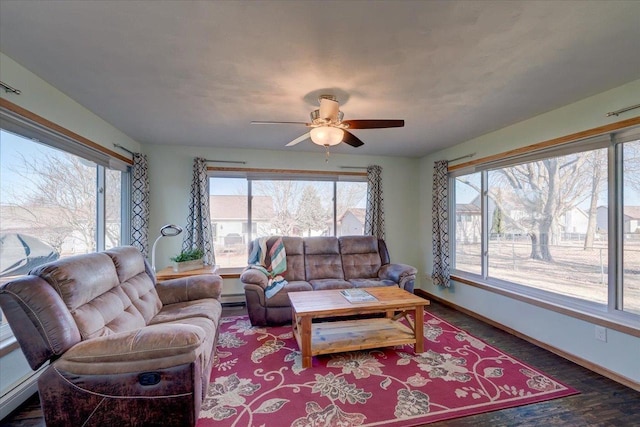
[[244, 208], [549, 224], [54, 203]]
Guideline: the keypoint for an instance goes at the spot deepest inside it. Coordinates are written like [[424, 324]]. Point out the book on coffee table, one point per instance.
[[357, 295]]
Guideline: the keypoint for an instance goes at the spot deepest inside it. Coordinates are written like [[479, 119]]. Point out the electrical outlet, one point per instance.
[[601, 333]]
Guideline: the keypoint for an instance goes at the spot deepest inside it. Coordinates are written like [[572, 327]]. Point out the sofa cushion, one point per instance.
[[128, 261], [152, 347], [135, 280], [142, 293], [371, 283], [90, 288], [322, 258], [79, 280], [294, 249], [326, 284], [360, 256], [207, 308], [206, 352], [191, 288], [281, 299]]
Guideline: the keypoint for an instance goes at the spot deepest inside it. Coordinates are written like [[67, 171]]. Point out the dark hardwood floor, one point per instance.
[[601, 402]]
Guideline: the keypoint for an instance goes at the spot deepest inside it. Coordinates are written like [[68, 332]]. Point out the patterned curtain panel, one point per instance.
[[440, 217], [374, 217], [140, 204], [198, 232]]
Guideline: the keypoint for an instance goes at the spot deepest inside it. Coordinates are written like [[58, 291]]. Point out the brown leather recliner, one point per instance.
[[122, 350]]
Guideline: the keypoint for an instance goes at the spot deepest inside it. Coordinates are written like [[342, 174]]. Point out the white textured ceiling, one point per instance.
[[196, 73]]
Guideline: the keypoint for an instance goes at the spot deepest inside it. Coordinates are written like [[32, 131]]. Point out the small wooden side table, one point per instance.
[[168, 273]]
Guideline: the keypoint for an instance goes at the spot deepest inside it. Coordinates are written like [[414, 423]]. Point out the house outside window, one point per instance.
[[544, 224], [247, 207]]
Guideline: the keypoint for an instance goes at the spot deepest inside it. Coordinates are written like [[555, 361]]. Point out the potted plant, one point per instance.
[[186, 260]]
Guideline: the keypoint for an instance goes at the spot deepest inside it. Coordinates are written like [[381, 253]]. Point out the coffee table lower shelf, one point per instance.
[[352, 335]]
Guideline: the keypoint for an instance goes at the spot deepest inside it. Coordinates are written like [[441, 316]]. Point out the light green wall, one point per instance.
[[170, 174], [576, 337]]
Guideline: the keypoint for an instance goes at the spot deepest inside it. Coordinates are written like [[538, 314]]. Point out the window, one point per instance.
[[542, 219], [266, 204], [54, 203], [549, 223], [631, 227], [113, 207], [229, 218], [468, 223], [351, 203]]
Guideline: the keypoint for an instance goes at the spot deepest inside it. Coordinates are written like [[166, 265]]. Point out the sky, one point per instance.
[[11, 146]]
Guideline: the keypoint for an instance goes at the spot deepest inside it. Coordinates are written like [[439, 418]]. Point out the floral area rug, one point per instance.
[[258, 380]]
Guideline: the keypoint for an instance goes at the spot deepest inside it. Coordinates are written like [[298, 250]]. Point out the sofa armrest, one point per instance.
[[254, 293], [190, 288], [39, 319], [147, 349], [252, 276], [396, 272]]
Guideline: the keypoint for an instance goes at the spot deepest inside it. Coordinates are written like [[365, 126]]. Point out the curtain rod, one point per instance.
[[225, 161], [462, 157], [353, 167], [8, 88], [622, 110], [124, 149]]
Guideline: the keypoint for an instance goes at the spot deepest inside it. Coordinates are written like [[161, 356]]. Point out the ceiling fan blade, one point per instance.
[[299, 139], [259, 122], [374, 124], [351, 139]]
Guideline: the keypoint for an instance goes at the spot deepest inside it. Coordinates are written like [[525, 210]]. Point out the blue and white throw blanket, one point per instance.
[[268, 256]]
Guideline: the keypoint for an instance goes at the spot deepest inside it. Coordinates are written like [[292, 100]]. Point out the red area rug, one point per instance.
[[259, 381]]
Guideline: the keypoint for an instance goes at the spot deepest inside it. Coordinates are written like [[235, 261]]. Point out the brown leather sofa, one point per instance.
[[318, 263], [122, 350]]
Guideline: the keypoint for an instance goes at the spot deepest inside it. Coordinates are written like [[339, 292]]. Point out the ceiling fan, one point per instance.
[[328, 128]]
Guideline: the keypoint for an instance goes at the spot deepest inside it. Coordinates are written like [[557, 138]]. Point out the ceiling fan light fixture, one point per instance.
[[326, 135], [329, 109]]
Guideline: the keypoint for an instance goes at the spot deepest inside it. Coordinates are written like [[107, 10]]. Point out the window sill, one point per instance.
[[8, 345], [608, 320], [230, 272]]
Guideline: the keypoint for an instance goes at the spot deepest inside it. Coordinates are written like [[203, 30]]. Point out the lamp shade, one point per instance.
[[168, 230], [326, 135]]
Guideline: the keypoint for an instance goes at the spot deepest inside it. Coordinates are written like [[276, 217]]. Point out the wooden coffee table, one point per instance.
[[350, 335]]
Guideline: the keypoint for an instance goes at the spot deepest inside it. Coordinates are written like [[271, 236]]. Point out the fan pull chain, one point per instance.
[[326, 157]]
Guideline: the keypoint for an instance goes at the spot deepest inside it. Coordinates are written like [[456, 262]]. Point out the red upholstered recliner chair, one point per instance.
[[122, 350]]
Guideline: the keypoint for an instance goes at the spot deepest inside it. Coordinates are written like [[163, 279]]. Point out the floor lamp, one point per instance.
[[167, 230]]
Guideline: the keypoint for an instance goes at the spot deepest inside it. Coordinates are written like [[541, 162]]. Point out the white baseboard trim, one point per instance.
[[232, 299]]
